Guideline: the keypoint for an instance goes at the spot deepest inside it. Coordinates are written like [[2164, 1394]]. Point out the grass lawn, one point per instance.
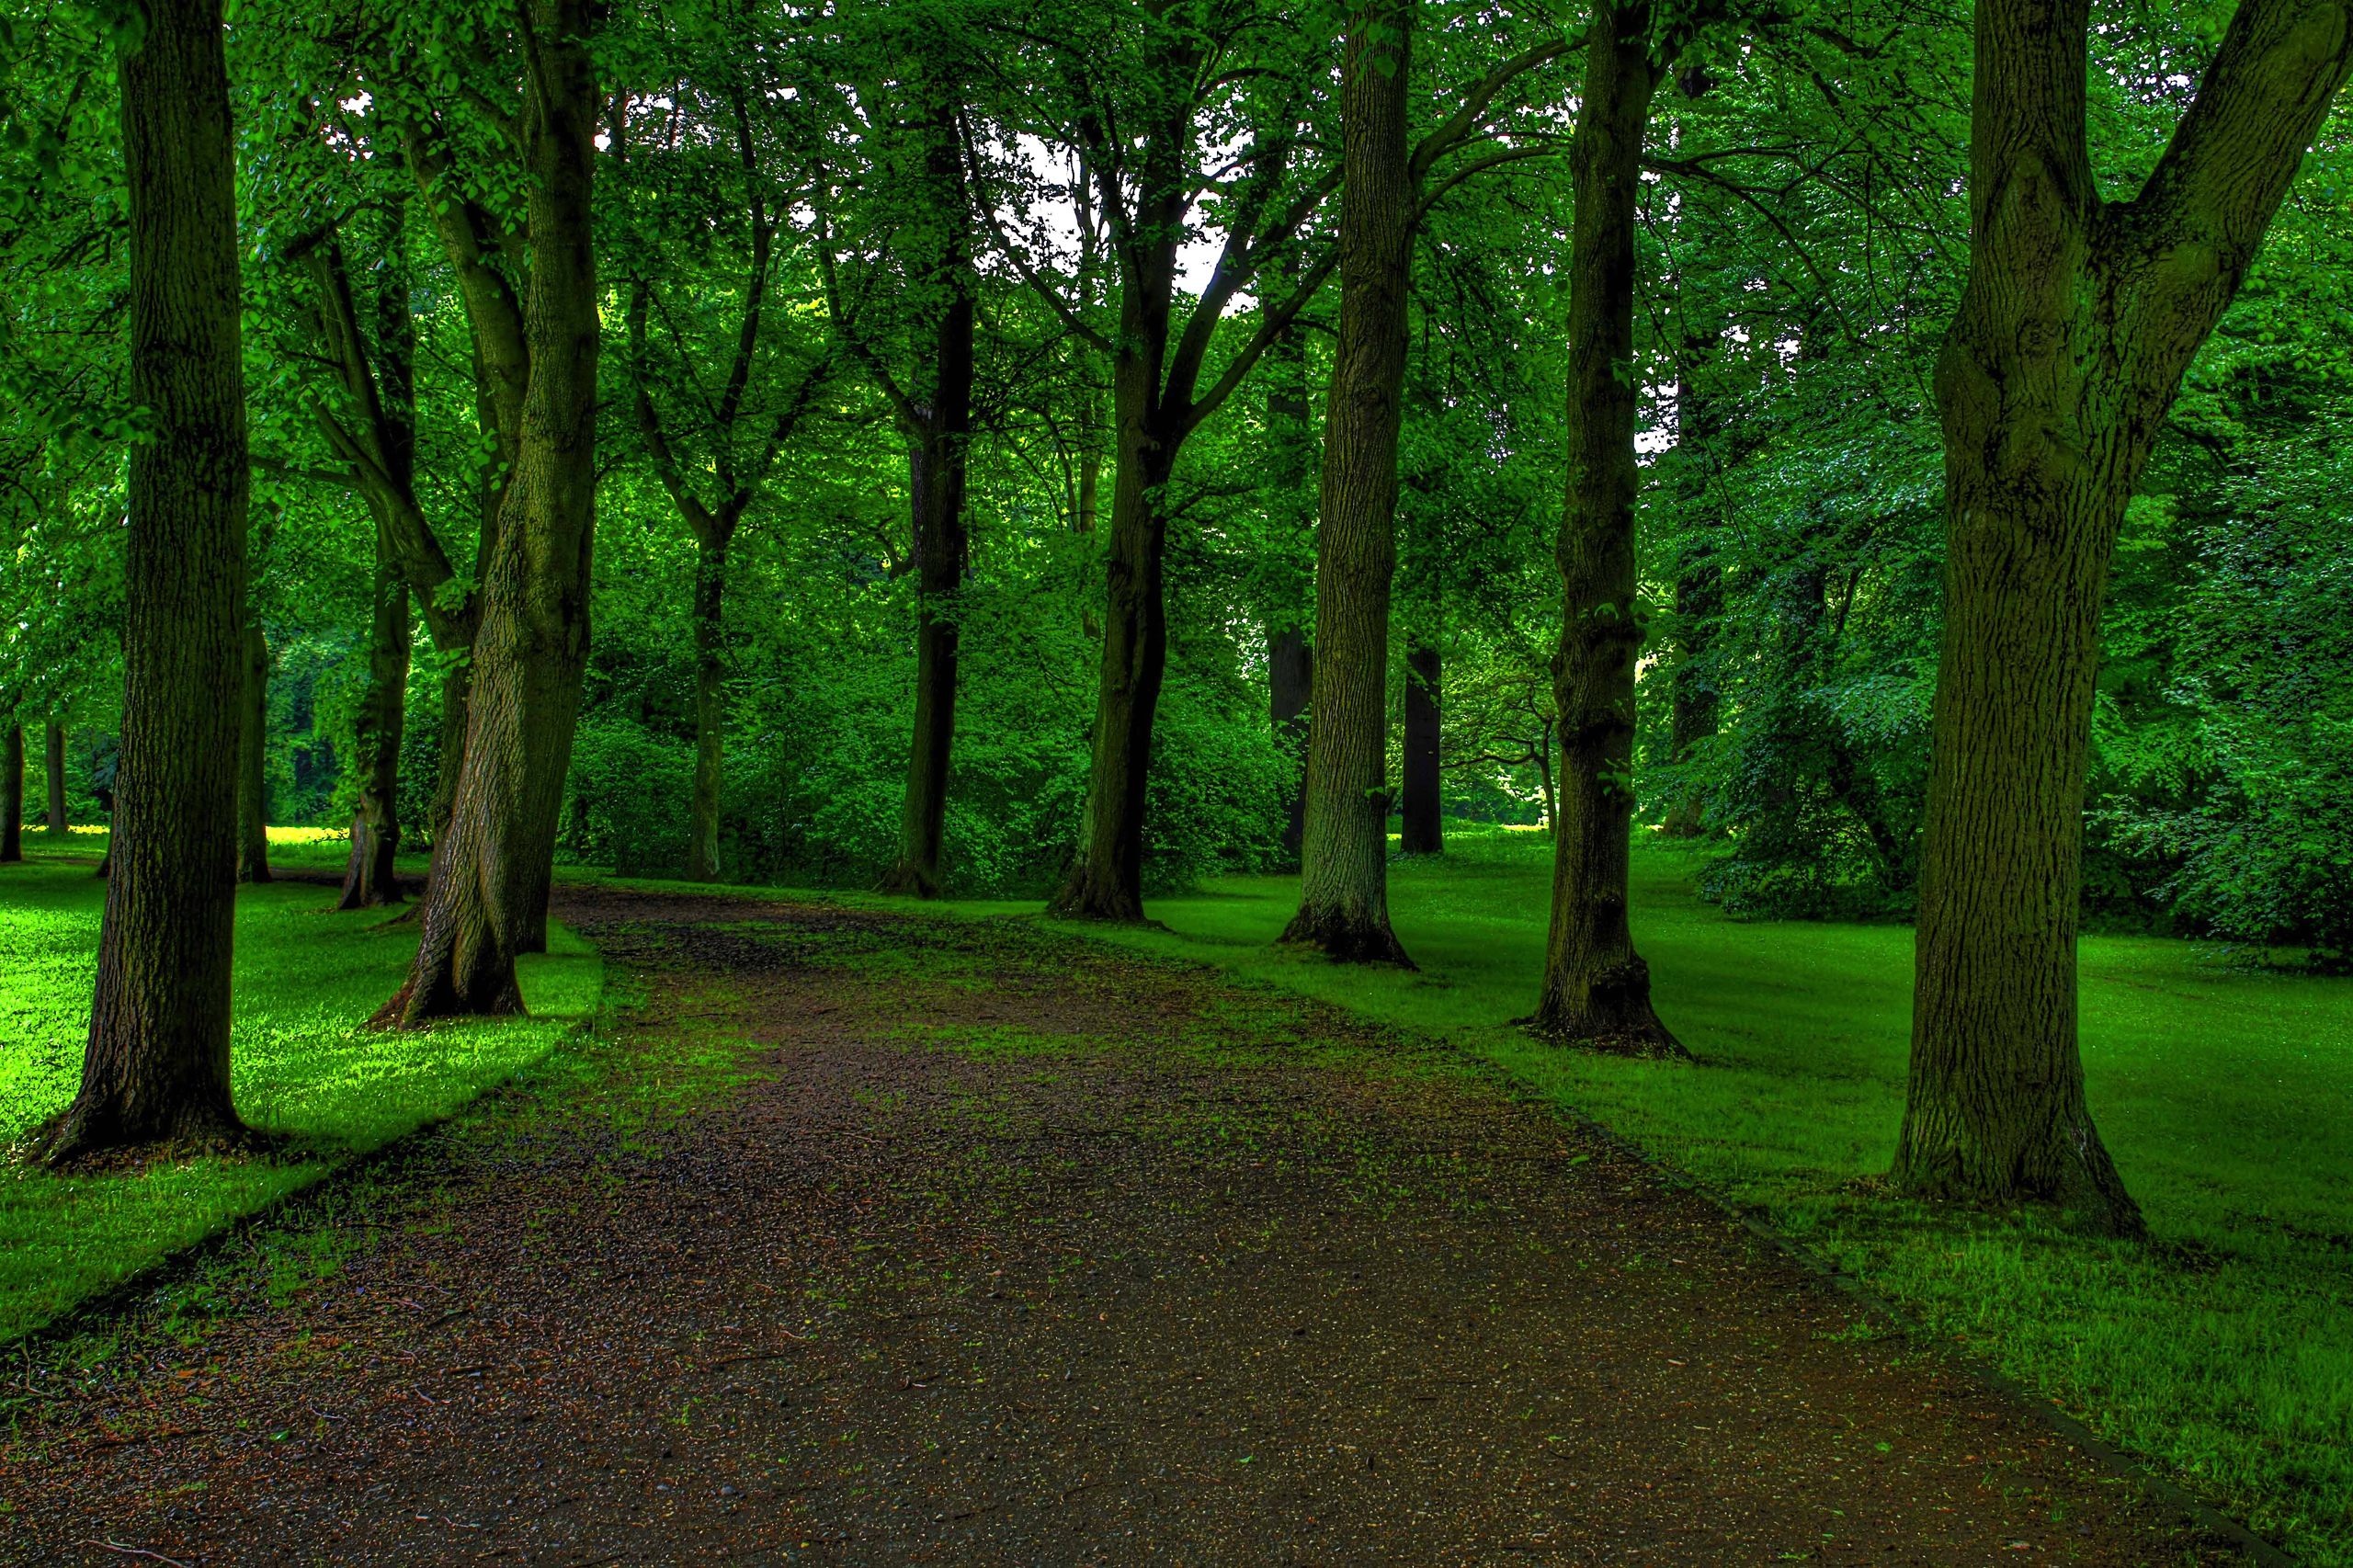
[[306, 980], [2224, 1349]]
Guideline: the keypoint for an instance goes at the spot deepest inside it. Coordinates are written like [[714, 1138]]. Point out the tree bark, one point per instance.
[[1422, 829], [1698, 593], [1344, 878], [56, 760], [1597, 987], [943, 423], [253, 760], [156, 1066], [12, 795], [2076, 324], [369, 876], [710, 707], [488, 902], [1290, 679]]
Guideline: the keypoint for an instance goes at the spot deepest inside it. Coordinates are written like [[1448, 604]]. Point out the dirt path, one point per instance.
[[881, 1240]]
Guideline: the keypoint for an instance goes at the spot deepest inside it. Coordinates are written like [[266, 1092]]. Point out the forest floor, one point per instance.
[[863, 1238]]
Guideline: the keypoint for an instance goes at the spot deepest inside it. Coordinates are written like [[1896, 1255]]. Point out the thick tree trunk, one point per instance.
[[56, 759], [1596, 988], [157, 1064], [1290, 679], [710, 707], [2078, 319], [488, 902], [1106, 881], [12, 795], [1422, 829], [369, 876], [935, 470], [1344, 856], [253, 760]]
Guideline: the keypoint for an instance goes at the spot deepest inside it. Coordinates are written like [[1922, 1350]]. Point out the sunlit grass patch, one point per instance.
[[305, 1067]]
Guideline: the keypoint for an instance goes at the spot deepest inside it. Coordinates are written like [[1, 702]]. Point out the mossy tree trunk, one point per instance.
[[1597, 987], [55, 757], [488, 902], [252, 758], [1344, 852], [156, 1067], [12, 793], [2077, 321]]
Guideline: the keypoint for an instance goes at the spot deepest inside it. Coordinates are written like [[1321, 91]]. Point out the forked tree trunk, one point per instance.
[[2077, 322], [488, 902], [1596, 988], [943, 426], [12, 795], [56, 760], [253, 760], [369, 876], [1422, 828], [1344, 853], [157, 1064], [1290, 679], [710, 707]]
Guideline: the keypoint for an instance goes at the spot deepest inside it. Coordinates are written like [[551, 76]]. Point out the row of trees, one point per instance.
[[510, 271]]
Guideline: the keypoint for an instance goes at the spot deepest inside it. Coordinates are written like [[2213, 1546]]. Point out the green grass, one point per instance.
[[2224, 1350], [306, 979]]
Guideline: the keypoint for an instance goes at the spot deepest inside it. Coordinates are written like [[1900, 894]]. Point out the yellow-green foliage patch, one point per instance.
[[304, 1066]]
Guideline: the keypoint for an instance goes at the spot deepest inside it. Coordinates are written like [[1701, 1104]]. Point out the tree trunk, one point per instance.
[[56, 760], [1344, 878], [711, 706], [253, 760], [157, 1063], [1698, 593], [1106, 881], [1290, 679], [488, 902], [12, 795], [936, 472], [370, 877], [1596, 988], [2076, 324], [1422, 829]]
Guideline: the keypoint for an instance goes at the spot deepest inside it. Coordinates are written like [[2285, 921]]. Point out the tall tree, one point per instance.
[[54, 756], [1344, 884], [1421, 827], [2078, 320], [368, 875], [157, 1063], [252, 756], [1596, 988], [12, 792], [488, 900]]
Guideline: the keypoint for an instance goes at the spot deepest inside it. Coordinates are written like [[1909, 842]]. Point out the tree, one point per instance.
[[368, 875], [157, 1063], [54, 756], [2078, 320], [488, 900], [12, 792], [253, 754], [1596, 988]]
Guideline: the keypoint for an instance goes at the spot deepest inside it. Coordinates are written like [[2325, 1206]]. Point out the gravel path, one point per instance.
[[871, 1240]]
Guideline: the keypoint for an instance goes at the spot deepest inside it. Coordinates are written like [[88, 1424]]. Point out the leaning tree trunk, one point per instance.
[[56, 760], [1596, 988], [1344, 876], [253, 760], [711, 706], [488, 902], [157, 1064], [369, 876], [12, 795], [2077, 322], [1422, 828]]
